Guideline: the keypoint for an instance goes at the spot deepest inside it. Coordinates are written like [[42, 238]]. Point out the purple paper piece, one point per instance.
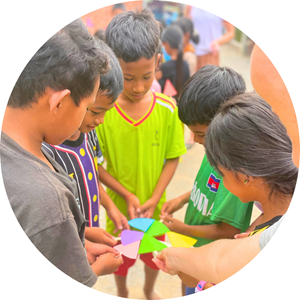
[[130, 236]]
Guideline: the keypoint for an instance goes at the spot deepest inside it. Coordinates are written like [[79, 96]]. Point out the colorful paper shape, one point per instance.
[[130, 250], [169, 89], [150, 244], [179, 240], [157, 229], [141, 223], [131, 236]]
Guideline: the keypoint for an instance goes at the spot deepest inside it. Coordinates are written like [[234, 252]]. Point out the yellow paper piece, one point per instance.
[[179, 240]]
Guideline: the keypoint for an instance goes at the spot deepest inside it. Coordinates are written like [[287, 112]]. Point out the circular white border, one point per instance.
[[26, 25]]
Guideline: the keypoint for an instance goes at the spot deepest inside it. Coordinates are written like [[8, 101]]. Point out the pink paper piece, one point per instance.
[[130, 250], [131, 236]]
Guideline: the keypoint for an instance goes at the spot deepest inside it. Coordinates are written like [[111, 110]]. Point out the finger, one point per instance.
[[125, 224], [131, 213], [109, 241], [167, 218]]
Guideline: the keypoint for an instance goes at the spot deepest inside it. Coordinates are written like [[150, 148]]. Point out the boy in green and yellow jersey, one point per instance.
[[142, 137]]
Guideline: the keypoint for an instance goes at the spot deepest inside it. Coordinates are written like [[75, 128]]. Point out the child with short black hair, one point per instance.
[[141, 137], [47, 104], [212, 212]]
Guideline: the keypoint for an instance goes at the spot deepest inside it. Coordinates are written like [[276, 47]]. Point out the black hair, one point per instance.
[[119, 6], [205, 91], [187, 25], [70, 59], [246, 136], [173, 35], [100, 34], [111, 83], [133, 35]]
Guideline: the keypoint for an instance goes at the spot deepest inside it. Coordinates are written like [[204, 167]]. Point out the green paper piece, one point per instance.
[[150, 244], [157, 229]]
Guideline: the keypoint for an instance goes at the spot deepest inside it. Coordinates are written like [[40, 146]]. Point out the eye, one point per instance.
[[147, 77], [127, 79]]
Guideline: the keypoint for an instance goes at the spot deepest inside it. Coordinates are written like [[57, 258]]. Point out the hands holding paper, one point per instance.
[[147, 209], [173, 224]]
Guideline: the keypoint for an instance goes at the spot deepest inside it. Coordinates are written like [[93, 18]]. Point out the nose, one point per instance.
[[100, 120], [138, 87], [198, 139]]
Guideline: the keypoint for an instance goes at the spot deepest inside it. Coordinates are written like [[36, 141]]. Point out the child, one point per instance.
[[212, 212], [189, 33], [250, 173], [189, 55], [80, 155], [176, 69], [48, 104], [141, 138]]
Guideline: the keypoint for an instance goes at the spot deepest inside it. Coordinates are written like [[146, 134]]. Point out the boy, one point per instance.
[[140, 132], [48, 104], [213, 212], [80, 156]]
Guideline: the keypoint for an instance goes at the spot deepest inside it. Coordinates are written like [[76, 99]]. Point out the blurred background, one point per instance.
[[233, 51]]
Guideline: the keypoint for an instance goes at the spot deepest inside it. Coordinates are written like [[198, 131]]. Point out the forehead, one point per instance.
[[138, 68], [102, 100], [198, 128]]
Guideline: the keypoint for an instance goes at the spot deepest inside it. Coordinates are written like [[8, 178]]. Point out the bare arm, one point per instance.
[[112, 183], [147, 209], [213, 232], [213, 262], [228, 35]]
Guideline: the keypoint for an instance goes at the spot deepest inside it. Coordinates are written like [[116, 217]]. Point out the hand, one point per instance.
[[118, 219], [133, 204], [215, 47], [242, 235], [94, 250], [108, 263], [173, 224], [163, 261], [171, 206], [99, 235], [147, 209]]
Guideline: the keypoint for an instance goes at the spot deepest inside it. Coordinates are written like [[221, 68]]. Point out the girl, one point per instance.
[[176, 69], [250, 148], [189, 34]]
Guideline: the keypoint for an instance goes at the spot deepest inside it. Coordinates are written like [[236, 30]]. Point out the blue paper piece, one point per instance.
[[141, 223]]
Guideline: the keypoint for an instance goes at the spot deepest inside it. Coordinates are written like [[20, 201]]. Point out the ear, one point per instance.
[[158, 58], [56, 99]]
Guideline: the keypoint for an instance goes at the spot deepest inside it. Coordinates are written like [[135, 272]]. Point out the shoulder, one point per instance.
[[165, 102]]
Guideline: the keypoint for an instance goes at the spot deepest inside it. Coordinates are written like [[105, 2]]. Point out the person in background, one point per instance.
[[189, 55], [176, 70], [210, 29], [189, 34], [118, 9]]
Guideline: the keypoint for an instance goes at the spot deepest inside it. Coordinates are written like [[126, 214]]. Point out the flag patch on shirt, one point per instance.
[[213, 183]]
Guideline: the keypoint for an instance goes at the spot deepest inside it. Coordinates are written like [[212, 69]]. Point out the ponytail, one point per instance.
[[179, 72]]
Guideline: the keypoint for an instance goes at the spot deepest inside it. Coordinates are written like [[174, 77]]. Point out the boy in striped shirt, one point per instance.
[[80, 156]]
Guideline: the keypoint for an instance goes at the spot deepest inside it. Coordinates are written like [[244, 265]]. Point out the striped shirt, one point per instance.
[[80, 160]]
